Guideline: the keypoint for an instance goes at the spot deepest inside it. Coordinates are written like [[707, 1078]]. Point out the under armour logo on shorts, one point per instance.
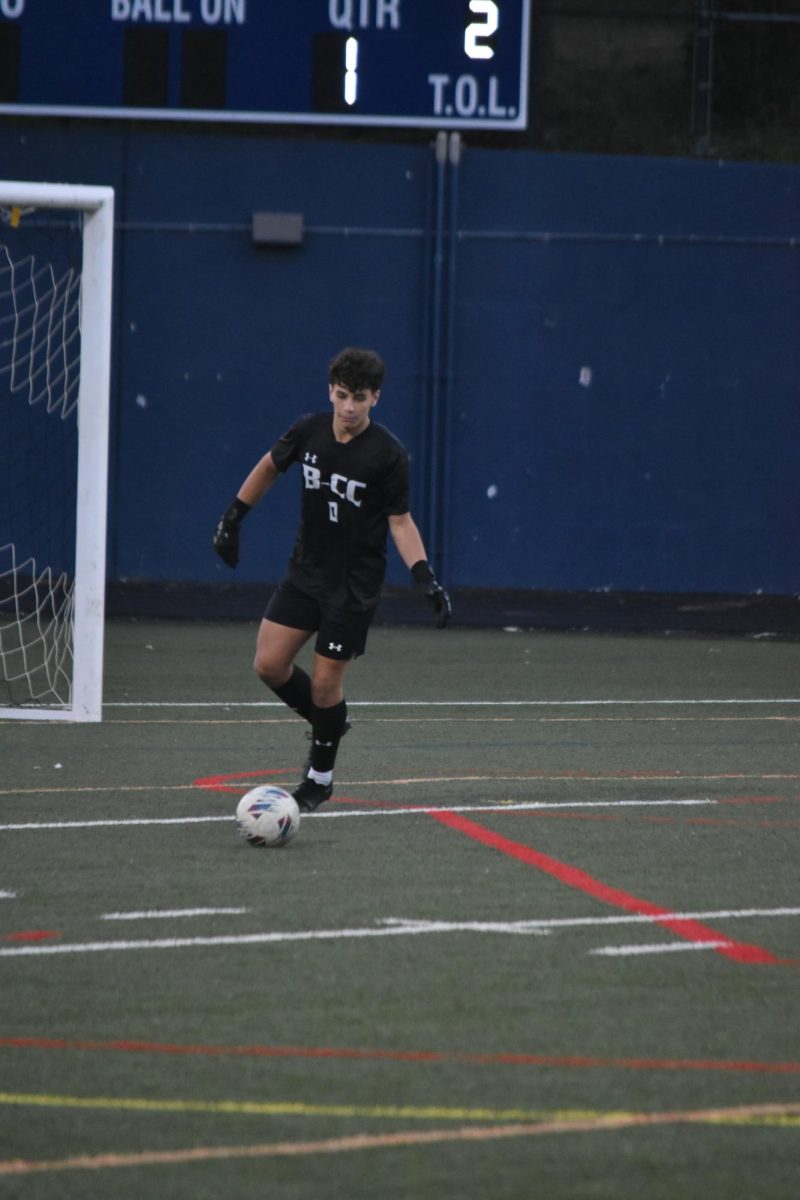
[[333, 646]]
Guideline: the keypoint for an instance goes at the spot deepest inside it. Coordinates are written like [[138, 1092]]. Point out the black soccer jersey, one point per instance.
[[349, 490]]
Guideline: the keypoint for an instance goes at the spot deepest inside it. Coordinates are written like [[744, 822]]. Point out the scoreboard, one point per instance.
[[441, 63]]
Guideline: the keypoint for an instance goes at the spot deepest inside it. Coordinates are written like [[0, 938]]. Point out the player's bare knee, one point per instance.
[[327, 684], [270, 672], [326, 696]]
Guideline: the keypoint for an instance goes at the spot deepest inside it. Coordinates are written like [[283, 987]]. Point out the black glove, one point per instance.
[[433, 592], [226, 535]]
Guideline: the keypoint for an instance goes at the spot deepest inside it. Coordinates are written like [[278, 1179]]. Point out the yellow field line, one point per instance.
[[294, 1108], [551, 1124], [781, 1114]]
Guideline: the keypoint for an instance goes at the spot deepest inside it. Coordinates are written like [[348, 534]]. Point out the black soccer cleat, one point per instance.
[[311, 794]]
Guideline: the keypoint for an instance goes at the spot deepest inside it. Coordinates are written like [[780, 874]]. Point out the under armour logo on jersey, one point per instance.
[[309, 457], [333, 646]]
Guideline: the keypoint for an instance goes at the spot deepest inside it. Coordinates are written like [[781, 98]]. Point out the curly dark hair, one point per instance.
[[357, 370]]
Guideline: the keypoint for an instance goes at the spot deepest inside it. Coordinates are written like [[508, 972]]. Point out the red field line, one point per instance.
[[224, 783], [581, 1061], [31, 935], [752, 799], [574, 877]]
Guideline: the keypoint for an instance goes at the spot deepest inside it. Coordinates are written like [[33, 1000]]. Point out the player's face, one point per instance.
[[351, 409]]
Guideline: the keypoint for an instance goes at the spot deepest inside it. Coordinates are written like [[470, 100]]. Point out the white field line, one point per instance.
[[163, 914], [247, 939], [511, 806], [532, 777], [657, 948], [454, 703], [524, 806], [543, 925], [393, 927], [461, 719], [112, 824], [523, 926]]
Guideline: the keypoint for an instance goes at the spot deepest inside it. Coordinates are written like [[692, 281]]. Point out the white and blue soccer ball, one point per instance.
[[267, 816]]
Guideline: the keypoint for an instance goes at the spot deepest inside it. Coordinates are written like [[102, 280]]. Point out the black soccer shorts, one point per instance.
[[341, 633]]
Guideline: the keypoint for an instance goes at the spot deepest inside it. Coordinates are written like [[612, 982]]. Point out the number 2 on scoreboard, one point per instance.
[[476, 31]]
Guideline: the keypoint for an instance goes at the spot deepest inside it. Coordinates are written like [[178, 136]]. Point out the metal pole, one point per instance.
[[702, 77], [446, 415], [437, 326]]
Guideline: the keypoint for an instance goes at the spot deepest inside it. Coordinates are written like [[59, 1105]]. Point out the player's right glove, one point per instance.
[[432, 590], [226, 535]]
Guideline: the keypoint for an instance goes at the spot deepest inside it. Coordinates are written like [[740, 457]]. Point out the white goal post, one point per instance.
[[55, 354]]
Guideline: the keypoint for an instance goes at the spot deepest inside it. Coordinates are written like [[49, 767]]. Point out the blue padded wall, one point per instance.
[[619, 388], [625, 413]]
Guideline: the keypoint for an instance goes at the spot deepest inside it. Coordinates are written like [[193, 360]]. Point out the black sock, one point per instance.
[[327, 727], [296, 692]]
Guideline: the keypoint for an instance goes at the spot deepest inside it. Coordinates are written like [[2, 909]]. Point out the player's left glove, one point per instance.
[[434, 593], [226, 535]]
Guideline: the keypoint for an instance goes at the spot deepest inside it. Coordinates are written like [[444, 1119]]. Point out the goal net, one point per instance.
[[56, 248]]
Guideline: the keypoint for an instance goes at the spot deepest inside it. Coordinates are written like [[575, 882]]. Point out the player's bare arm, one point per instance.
[[407, 539], [259, 481]]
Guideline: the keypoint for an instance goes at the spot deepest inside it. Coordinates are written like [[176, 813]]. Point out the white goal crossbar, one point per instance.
[[96, 207]]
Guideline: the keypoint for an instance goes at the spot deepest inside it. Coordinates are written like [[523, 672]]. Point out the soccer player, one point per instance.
[[354, 476]]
